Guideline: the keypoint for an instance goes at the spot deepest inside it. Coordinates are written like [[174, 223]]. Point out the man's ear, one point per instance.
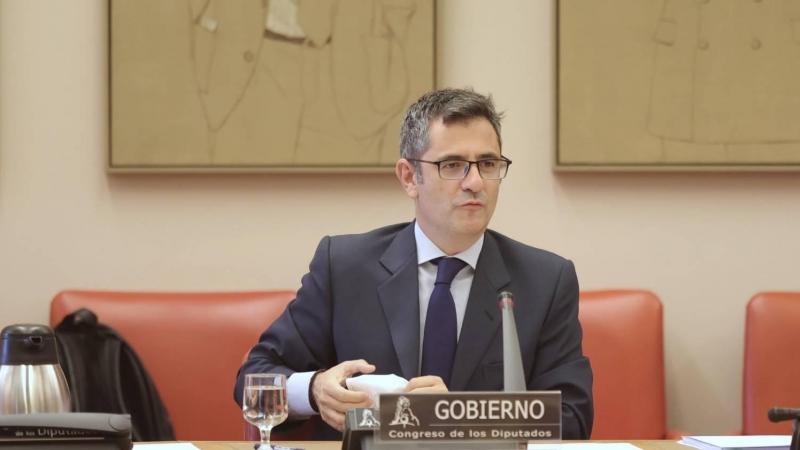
[[407, 176]]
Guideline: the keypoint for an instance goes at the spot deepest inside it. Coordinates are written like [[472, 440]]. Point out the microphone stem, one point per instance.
[[795, 434]]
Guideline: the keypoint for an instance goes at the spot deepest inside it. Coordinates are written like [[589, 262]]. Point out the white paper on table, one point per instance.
[[737, 442], [173, 446], [582, 446], [374, 385]]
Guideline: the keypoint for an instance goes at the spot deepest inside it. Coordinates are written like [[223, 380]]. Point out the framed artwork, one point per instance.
[[678, 85], [264, 85]]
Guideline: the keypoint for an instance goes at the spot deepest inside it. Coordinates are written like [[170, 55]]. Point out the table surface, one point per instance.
[[337, 445]]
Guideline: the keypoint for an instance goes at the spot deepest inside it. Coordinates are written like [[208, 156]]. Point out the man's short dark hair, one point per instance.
[[451, 105]]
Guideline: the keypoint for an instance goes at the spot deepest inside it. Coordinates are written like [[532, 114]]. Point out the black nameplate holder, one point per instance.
[[65, 431]]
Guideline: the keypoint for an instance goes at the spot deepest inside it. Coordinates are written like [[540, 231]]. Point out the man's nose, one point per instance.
[[473, 181]]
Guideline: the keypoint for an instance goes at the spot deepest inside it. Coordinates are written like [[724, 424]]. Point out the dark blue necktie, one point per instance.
[[440, 338]]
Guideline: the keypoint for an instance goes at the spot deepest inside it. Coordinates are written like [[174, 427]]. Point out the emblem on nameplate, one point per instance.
[[403, 414], [367, 418]]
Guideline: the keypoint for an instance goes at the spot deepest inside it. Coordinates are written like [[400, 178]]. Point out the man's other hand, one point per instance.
[[333, 399], [428, 383]]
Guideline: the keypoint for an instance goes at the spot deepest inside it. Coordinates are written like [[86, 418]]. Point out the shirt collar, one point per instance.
[[427, 250]]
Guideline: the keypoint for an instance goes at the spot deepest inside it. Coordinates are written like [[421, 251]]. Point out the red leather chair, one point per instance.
[[623, 338], [190, 343], [771, 361]]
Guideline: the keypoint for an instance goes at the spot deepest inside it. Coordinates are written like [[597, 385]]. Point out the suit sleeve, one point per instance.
[[300, 339], [560, 363]]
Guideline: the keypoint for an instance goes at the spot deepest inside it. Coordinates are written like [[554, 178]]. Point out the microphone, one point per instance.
[[781, 414], [513, 374]]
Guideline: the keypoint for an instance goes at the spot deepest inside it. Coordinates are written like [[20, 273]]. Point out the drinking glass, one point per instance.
[[264, 403]]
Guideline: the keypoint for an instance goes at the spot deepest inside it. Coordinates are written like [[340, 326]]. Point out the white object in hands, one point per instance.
[[374, 385]]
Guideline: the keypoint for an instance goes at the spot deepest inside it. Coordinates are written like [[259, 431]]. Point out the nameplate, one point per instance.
[[533, 415], [358, 424]]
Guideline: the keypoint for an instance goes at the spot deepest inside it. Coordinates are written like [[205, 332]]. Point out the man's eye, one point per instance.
[[489, 164], [450, 165]]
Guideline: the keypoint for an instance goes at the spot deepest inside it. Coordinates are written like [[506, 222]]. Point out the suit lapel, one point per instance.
[[482, 318], [399, 297]]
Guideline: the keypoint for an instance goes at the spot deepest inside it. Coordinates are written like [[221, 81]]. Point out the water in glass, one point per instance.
[[265, 405]]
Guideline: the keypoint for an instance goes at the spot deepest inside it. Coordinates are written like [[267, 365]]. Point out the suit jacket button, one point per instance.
[[756, 44], [702, 44], [248, 56]]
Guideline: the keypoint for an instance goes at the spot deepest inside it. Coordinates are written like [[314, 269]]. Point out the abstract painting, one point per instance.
[[264, 85], [678, 85]]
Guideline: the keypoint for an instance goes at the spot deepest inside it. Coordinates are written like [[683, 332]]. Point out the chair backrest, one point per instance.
[[771, 360], [190, 343], [623, 338]]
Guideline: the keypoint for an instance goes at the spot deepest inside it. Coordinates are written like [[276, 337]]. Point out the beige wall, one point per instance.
[[704, 243]]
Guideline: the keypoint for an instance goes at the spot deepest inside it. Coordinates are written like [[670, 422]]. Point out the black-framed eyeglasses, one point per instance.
[[457, 169]]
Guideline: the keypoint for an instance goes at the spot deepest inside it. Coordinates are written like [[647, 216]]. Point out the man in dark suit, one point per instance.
[[419, 300]]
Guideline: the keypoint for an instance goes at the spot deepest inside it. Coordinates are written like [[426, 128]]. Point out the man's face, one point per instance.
[[457, 208]]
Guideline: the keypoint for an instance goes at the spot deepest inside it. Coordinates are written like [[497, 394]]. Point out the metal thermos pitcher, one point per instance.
[[31, 380]]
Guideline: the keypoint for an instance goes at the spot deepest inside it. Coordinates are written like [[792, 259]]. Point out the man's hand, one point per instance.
[[428, 383], [333, 399]]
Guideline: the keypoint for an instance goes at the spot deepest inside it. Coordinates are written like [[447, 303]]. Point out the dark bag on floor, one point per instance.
[[105, 375]]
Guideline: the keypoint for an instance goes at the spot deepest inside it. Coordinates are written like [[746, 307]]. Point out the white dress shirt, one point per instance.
[[297, 384], [459, 288]]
